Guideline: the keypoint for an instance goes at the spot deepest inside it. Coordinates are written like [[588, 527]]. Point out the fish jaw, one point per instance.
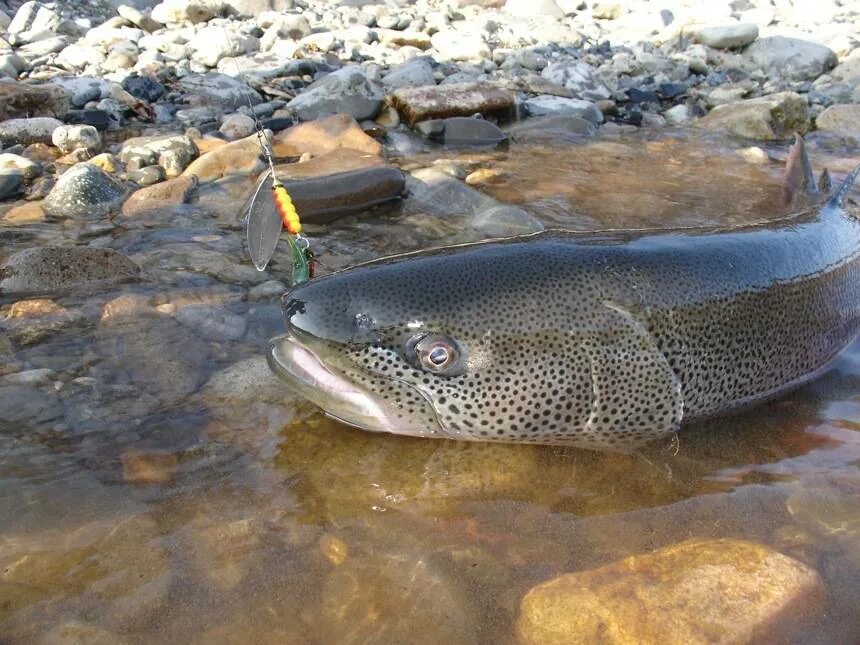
[[339, 397]]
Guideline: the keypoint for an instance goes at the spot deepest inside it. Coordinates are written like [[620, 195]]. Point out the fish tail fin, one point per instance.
[[841, 194]]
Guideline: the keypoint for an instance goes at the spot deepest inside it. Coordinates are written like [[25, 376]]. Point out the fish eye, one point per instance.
[[435, 353]]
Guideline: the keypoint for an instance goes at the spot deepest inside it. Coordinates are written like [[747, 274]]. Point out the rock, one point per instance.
[[842, 120], [396, 38], [50, 269], [697, 591], [267, 291], [724, 36], [237, 126], [777, 116], [484, 176], [24, 407], [24, 100], [136, 17], [148, 467], [73, 632], [219, 90], [160, 196], [30, 321], [84, 192], [546, 105], [579, 77], [324, 135], [339, 183], [504, 220], [237, 157], [247, 380], [28, 169], [212, 322], [143, 87], [99, 119], [677, 115], [44, 47], [211, 44], [173, 153], [467, 131], [438, 102], [34, 378], [69, 138], [33, 17], [791, 58], [553, 129], [529, 8], [79, 55], [146, 176], [412, 73], [292, 26], [345, 91], [460, 46], [180, 11], [28, 213], [27, 131], [10, 182]]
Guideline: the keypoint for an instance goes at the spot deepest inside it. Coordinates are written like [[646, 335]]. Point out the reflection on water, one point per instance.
[[157, 484]]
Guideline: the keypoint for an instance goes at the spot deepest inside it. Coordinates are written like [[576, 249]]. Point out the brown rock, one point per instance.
[[165, 194], [843, 120], [24, 100], [776, 116], [324, 135], [41, 152], [458, 99], [34, 308], [29, 213], [242, 157], [207, 144], [150, 467], [698, 591]]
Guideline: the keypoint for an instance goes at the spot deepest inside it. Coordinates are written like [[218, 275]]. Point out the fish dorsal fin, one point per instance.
[[841, 194], [825, 185], [798, 181]]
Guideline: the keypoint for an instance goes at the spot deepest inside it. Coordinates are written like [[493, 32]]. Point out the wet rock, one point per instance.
[[324, 135], [219, 90], [29, 213], [555, 106], [75, 137], [160, 196], [842, 120], [212, 322], [697, 591], [460, 46], [237, 126], [74, 632], [143, 87], [777, 116], [237, 157], [267, 291], [27, 131], [553, 129], [246, 381], [338, 183], [724, 36], [25, 100], [438, 102], [173, 153], [84, 191], [345, 91], [226, 267], [412, 73], [146, 176], [53, 269], [397, 598], [484, 176], [466, 131], [23, 407], [33, 378], [31, 321], [148, 467], [791, 58], [10, 182]]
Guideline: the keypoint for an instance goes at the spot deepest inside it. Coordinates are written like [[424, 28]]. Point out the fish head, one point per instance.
[[410, 348]]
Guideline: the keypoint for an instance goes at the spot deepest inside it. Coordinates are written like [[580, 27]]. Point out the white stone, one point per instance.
[[78, 55], [179, 11], [211, 44], [724, 36], [677, 115], [237, 126], [529, 8], [454, 45], [69, 138]]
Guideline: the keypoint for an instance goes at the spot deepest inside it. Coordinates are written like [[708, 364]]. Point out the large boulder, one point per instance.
[[776, 116], [791, 58], [345, 91], [84, 191]]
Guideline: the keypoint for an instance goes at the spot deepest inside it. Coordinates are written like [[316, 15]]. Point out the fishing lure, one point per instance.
[[271, 210]]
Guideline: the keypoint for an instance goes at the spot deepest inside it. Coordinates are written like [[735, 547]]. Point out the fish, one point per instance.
[[604, 341]]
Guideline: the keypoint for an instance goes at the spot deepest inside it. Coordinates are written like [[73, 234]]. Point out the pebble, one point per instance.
[[143, 87], [84, 191], [459, 46], [28, 168], [146, 176], [28, 130], [345, 91], [677, 115], [773, 117], [467, 131], [76, 137], [267, 291]]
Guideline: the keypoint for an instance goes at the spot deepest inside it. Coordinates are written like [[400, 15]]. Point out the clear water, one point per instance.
[[267, 522]]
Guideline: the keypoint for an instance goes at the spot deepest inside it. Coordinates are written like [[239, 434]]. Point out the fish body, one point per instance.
[[602, 341]]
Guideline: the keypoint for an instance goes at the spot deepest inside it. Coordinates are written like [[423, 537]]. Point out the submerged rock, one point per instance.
[[777, 116], [324, 135], [160, 196], [546, 105], [52, 269], [553, 129], [457, 99], [698, 591], [242, 157], [212, 322], [173, 153], [84, 191]]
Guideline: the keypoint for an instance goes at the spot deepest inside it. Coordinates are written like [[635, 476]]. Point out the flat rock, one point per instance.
[[324, 135], [219, 90], [842, 120], [84, 191], [345, 91], [459, 99], [546, 105], [29, 130], [340, 183], [468, 131], [52, 269], [163, 195], [23, 100], [698, 591], [791, 58], [724, 36], [776, 116], [237, 157], [412, 73]]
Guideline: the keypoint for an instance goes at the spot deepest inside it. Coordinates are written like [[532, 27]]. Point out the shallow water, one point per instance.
[[161, 487]]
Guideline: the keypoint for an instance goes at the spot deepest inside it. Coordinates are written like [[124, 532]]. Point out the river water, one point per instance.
[[159, 485]]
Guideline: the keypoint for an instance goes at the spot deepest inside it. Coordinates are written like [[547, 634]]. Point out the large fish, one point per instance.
[[601, 341]]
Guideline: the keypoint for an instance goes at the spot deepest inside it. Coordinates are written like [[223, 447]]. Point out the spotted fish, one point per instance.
[[602, 341]]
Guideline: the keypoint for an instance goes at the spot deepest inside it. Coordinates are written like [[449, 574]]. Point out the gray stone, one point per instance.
[[212, 322], [346, 91], [84, 192], [26, 131], [10, 182], [44, 47], [460, 130], [79, 55], [57, 269], [677, 114], [412, 73], [842, 120], [546, 105], [553, 130], [219, 90], [292, 26], [25, 408], [34, 377], [579, 77], [724, 36], [76, 137], [505, 220], [237, 126], [267, 291], [416, 104], [791, 58], [173, 153], [35, 17], [136, 17]]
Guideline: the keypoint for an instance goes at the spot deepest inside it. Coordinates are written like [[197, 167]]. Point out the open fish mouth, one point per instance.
[[339, 397]]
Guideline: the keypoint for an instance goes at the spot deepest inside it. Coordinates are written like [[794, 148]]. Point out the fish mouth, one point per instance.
[[339, 397]]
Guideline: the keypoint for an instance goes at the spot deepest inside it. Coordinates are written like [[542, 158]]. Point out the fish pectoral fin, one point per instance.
[[637, 397]]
